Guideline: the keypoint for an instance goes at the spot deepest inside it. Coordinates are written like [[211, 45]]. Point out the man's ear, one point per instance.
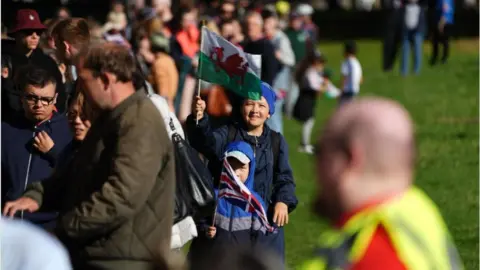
[[55, 99], [355, 155], [67, 47], [106, 80]]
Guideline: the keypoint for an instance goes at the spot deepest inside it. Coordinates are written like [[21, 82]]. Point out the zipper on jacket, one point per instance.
[[28, 169], [256, 145]]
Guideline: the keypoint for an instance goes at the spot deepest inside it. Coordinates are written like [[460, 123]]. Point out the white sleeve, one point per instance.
[[314, 80], [288, 58], [345, 69]]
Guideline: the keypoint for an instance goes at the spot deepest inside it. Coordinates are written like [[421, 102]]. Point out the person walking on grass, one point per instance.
[[380, 220], [273, 174], [444, 11], [352, 74], [313, 79]]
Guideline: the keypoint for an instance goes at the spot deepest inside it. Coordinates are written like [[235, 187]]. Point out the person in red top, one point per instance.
[[365, 158]]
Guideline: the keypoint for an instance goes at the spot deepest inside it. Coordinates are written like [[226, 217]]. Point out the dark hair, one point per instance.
[[350, 47], [75, 31], [6, 62], [267, 14], [35, 76], [176, 24], [112, 58], [84, 107], [312, 57]]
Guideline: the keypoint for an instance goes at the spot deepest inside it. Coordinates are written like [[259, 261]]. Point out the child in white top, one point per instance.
[[313, 80], [352, 75]]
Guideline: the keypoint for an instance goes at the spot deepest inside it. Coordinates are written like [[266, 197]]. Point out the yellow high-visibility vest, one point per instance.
[[414, 225]]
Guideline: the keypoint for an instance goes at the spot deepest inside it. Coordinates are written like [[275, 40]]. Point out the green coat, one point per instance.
[[116, 197]]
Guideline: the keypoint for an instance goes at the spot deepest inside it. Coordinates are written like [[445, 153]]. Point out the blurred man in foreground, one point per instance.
[[381, 221]]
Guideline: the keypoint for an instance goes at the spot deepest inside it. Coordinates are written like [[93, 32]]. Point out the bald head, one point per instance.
[[366, 153], [380, 129]]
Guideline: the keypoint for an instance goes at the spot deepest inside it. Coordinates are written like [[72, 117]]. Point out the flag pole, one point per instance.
[[216, 201], [199, 67]]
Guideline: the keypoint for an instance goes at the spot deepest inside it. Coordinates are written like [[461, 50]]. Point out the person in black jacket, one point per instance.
[[31, 145], [27, 31], [257, 44]]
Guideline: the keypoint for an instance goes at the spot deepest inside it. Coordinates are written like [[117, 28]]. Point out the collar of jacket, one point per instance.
[[138, 95], [253, 140], [24, 122], [35, 53]]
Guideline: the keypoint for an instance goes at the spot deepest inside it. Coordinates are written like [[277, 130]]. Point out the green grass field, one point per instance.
[[443, 102]]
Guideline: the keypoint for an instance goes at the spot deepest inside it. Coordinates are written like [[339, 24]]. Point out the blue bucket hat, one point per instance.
[[270, 96]]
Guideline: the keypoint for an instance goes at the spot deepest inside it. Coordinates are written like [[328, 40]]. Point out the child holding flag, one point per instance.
[[240, 210], [273, 175], [240, 213]]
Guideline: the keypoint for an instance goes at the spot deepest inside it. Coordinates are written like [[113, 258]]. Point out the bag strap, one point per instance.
[[275, 137], [232, 132]]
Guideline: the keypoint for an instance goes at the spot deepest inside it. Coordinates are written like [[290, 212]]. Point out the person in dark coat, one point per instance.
[[31, 144], [393, 34], [27, 31], [273, 175], [258, 44]]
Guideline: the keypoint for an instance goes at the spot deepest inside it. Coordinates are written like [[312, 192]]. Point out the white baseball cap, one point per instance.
[[304, 10], [239, 156]]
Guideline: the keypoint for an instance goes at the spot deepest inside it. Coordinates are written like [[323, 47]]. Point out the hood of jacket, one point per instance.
[[227, 208]]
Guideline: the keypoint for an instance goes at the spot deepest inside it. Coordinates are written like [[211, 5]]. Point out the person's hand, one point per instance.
[[441, 25], [280, 215], [195, 63], [211, 232], [43, 142], [199, 107], [228, 108], [278, 54], [24, 203]]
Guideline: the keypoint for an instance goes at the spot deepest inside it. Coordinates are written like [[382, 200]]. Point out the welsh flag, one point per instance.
[[225, 64]]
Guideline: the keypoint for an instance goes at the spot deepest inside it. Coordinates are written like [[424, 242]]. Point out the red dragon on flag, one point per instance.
[[233, 65]]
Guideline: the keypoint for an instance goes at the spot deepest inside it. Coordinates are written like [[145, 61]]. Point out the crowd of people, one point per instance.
[[88, 154]]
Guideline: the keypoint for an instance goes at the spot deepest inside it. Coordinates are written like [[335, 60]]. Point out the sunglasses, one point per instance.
[[33, 99], [73, 114], [29, 32]]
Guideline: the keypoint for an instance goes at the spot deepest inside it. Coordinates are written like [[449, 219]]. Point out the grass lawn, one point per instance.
[[443, 102]]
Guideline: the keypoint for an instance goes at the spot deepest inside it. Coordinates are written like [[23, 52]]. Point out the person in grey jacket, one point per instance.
[[285, 55]]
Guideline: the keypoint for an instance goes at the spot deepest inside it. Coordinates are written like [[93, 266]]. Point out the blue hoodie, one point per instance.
[[22, 164], [234, 224]]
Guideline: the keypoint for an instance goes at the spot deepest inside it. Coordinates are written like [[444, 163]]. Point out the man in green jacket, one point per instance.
[[116, 197]]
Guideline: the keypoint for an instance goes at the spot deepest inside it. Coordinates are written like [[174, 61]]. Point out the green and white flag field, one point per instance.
[[227, 65]]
